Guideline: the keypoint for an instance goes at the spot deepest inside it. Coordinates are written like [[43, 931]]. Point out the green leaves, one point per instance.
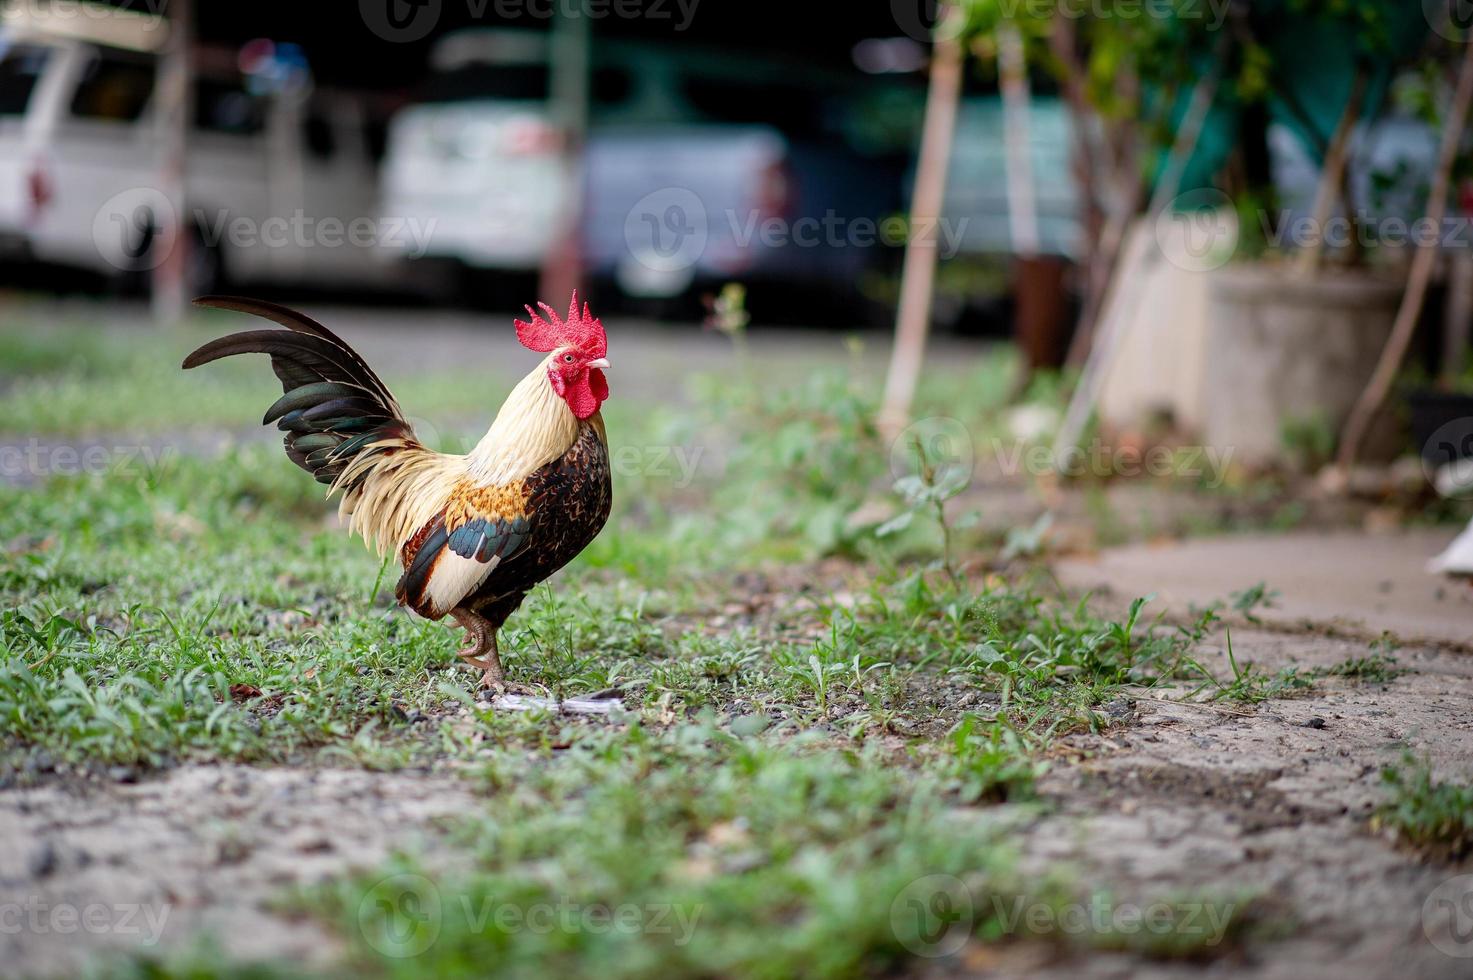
[[1427, 814], [996, 763], [896, 524], [1257, 596], [926, 491], [805, 459]]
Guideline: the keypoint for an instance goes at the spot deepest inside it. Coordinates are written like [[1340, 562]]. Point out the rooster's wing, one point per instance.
[[453, 555]]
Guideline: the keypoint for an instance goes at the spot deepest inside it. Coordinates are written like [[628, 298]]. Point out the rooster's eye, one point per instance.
[[568, 358]]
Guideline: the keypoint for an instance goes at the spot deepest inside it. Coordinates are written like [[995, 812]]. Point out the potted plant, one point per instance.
[[1275, 298], [1297, 322]]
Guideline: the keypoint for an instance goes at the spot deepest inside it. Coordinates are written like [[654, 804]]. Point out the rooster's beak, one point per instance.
[[602, 362]]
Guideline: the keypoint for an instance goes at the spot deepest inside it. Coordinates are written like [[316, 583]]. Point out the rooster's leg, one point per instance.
[[492, 678], [481, 652], [480, 632]]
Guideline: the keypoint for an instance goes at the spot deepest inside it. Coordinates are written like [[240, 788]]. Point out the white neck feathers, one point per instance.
[[534, 427]]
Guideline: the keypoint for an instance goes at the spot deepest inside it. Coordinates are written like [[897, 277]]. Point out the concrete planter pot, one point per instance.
[[1282, 350]]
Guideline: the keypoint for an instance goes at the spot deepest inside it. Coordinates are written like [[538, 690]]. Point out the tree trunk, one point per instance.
[[562, 267], [1085, 159], [918, 278], [1456, 321], [169, 288], [1420, 275]]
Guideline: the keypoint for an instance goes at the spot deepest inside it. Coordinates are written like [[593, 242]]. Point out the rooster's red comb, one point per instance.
[[580, 330]]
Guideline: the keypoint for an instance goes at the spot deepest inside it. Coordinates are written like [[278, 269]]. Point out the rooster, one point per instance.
[[474, 533]]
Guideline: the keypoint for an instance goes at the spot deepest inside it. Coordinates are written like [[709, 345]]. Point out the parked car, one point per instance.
[[268, 178], [478, 154], [699, 168]]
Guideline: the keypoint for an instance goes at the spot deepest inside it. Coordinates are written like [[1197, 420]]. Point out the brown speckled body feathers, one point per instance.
[[564, 505]]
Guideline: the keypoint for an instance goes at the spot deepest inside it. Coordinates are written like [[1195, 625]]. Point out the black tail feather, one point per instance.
[[298, 400], [333, 408], [298, 323]]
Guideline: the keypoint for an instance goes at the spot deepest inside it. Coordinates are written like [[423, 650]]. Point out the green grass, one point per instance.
[[1431, 816], [73, 378], [800, 738], [1380, 666], [781, 859], [135, 606]]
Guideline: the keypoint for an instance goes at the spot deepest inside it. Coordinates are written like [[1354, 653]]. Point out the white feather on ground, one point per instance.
[[1457, 559]]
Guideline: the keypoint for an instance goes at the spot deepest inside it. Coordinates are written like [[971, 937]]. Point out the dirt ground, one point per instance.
[[203, 850], [1275, 802], [1271, 801]]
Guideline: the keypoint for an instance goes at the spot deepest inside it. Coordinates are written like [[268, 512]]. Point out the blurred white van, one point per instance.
[[692, 158], [478, 153], [279, 187]]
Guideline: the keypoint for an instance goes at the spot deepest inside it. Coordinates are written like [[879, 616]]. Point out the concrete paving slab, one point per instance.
[[1370, 582]]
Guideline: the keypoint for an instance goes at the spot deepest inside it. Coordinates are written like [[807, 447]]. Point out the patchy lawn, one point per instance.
[[848, 738]]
